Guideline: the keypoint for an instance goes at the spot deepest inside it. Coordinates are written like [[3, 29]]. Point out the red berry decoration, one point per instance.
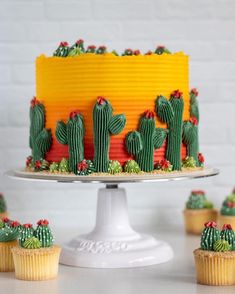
[[177, 94], [42, 222], [210, 225], [74, 114], [149, 114], [37, 164], [227, 227], [194, 91], [29, 160], [64, 44], [82, 165], [27, 226], [6, 220], [15, 224], [34, 102], [101, 100]]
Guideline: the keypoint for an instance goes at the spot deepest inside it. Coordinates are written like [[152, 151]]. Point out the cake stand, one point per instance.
[[113, 243]]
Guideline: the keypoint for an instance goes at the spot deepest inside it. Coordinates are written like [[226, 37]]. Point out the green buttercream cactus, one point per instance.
[[171, 113], [40, 139], [62, 50], [209, 236], [3, 205], [32, 243], [9, 230], [228, 206], [131, 166], [221, 246], [142, 143], [77, 48], [114, 52], [101, 50], [128, 52], [105, 124], [85, 167], [114, 167], [91, 49], [163, 165], [72, 134], [41, 165], [189, 162], [197, 200], [228, 234], [64, 165], [162, 49], [26, 232], [54, 167], [43, 233]]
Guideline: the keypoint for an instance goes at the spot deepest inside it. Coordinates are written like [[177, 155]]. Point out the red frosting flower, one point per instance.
[[82, 165], [149, 52], [164, 163], [210, 225], [198, 192], [193, 120], [103, 48], [28, 160], [161, 47], [136, 52], [6, 220], [37, 164], [64, 44], [79, 42], [34, 102], [27, 226], [230, 204], [101, 100], [74, 113], [194, 91], [15, 224], [177, 94], [42, 222], [92, 47], [227, 227], [149, 114], [201, 158]]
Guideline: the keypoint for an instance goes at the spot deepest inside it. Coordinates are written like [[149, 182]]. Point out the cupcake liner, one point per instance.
[[215, 268], [196, 218], [226, 219], [6, 259], [36, 264]]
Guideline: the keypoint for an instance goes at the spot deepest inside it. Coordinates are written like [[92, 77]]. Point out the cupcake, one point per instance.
[[9, 231], [3, 207], [215, 259], [36, 258], [227, 212], [198, 211]]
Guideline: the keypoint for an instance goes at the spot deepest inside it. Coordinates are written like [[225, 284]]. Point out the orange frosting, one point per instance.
[[130, 83]]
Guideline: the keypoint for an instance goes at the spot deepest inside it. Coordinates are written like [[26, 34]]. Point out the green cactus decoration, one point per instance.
[[128, 52], [85, 167], [131, 166], [228, 234], [101, 50], [209, 236], [189, 162], [142, 143], [104, 125], [26, 232], [197, 200], [190, 138], [171, 113], [91, 49], [54, 167], [221, 246], [72, 134], [194, 109], [32, 243], [40, 139], [163, 165], [64, 165], [228, 205], [62, 50], [77, 48], [9, 230], [114, 167], [41, 165], [43, 233], [162, 49], [114, 52], [3, 205]]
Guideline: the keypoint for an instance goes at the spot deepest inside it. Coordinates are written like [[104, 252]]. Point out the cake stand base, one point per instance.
[[113, 243]]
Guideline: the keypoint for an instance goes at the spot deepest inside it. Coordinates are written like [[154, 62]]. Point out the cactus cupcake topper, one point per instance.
[[25, 233], [77, 48], [105, 124], [142, 143], [162, 49], [9, 230], [72, 134], [43, 233], [40, 139], [210, 234], [62, 50], [228, 234]]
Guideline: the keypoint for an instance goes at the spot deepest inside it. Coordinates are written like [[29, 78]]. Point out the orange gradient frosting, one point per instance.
[[130, 83]]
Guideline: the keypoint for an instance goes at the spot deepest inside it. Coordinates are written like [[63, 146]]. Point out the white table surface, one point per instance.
[[176, 276]]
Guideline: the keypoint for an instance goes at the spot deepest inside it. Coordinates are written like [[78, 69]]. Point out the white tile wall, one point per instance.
[[203, 29]]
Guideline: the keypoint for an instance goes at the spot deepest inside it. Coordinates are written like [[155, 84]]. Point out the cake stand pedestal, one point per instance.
[[113, 243]]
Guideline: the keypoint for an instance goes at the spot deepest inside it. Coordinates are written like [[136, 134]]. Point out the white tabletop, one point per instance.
[[176, 276]]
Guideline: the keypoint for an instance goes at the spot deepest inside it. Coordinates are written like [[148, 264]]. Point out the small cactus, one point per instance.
[[32, 243], [91, 49], [43, 233], [114, 167], [72, 134], [163, 165], [221, 246], [77, 48], [128, 52], [54, 167], [26, 232], [209, 236], [101, 50], [85, 167], [131, 166], [62, 50], [189, 162], [162, 49], [64, 165], [228, 234], [41, 165]]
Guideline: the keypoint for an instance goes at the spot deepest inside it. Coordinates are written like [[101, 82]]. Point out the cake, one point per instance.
[[35, 257], [3, 207], [9, 231], [97, 111], [227, 212], [198, 211], [215, 259]]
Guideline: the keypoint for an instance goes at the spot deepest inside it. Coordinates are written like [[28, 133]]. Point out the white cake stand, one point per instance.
[[113, 243]]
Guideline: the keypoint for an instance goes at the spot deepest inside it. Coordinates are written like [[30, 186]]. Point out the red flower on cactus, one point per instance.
[[198, 192], [164, 163], [227, 227], [103, 48], [79, 42], [27, 226], [201, 158], [82, 165], [29, 160], [91, 47], [37, 164], [210, 225], [149, 114], [193, 120], [34, 102], [194, 91], [6, 220], [43, 222], [15, 224], [149, 52], [101, 100], [136, 52], [64, 44], [74, 114], [177, 94], [230, 204], [161, 47]]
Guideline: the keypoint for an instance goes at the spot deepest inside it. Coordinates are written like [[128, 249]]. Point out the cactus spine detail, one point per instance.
[[40, 138], [141, 144], [104, 125], [72, 134], [171, 112]]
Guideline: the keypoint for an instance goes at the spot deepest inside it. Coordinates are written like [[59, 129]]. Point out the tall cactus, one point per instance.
[[171, 112], [40, 138], [104, 125], [142, 143], [72, 134]]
